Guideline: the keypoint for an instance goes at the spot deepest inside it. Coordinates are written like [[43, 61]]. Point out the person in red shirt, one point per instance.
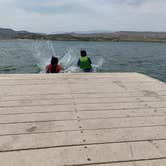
[[53, 67]]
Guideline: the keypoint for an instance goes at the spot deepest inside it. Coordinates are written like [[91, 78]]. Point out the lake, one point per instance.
[[31, 56]]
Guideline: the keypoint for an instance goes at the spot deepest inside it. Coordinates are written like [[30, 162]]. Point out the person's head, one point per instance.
[[83, 53], [54, 61]]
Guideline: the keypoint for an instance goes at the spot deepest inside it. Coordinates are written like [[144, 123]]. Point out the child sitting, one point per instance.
[[53, 67], [85, 62]]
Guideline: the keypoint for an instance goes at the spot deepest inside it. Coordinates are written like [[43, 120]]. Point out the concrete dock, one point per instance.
[[106, 119]]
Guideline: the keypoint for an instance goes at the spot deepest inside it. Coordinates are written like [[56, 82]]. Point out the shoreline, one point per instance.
[[80, 40]]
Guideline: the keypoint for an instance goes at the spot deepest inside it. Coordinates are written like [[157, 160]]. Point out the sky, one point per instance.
[[54, 16]]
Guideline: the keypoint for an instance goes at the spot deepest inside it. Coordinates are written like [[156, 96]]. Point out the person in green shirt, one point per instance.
[[84, 62]]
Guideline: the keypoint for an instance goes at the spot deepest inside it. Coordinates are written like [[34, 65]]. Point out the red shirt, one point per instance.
[[48, 68]]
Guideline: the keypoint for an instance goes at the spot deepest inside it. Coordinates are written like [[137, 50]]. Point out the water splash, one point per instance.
[[51, 49], [43, 53], [69, 60], [98, 64], [45, 50]]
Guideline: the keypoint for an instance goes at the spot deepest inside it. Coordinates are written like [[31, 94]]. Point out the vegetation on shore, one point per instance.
[[128, 36]]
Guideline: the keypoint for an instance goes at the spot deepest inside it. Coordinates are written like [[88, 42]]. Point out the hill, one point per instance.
[[104, 36]]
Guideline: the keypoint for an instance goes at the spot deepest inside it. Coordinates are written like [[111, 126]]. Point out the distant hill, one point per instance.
[[12, 34], [6, 33], [141, 35], [83, 36]]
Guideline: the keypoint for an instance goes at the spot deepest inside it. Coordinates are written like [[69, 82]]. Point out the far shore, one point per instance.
[[119, 36], [90, 40]]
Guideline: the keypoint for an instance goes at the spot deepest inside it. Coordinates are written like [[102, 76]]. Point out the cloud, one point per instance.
[[74, 15], [53, 7]]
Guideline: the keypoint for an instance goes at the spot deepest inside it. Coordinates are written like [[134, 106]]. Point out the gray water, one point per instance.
[[29, 56]]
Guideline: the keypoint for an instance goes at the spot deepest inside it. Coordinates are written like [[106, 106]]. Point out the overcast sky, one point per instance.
[[83, 15]]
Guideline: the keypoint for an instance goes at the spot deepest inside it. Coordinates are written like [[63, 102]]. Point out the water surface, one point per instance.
[[31, 56]]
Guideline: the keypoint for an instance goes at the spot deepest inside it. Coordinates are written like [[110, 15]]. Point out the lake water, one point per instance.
[[29, 56]]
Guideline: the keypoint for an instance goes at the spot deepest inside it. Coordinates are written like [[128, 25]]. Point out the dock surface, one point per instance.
[[106, 119]]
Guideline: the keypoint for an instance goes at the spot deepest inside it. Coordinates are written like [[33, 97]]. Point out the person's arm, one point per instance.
[[89, 60], [78, 63]]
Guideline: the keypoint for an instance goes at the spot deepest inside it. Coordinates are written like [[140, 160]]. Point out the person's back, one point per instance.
[[53, 67], [85, 62]]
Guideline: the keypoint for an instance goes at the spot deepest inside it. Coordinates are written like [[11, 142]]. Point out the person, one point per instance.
[[84, 62], [54, 67]]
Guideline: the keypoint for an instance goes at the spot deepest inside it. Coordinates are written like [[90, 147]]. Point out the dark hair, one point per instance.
[[54, 62], [83, 53]]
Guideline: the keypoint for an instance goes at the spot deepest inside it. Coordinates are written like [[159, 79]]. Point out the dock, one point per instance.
[[81, 119]]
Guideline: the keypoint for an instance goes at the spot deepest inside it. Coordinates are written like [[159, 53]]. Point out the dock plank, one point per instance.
[[91, 154], [116, 119], [75, 138]]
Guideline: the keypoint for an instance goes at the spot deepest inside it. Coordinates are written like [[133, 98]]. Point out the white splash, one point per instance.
[[43, 51], [69, 61]]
